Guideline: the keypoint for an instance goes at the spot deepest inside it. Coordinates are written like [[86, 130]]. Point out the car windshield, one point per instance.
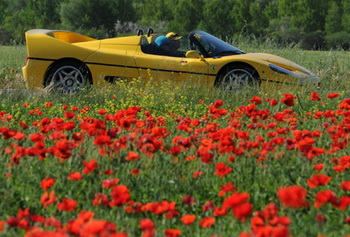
[[210, 46]]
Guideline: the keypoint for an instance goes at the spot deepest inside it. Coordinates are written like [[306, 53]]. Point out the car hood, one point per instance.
[[279, 61]]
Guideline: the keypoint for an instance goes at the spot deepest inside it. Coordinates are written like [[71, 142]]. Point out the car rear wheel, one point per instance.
[[236, 78], [67, 77]]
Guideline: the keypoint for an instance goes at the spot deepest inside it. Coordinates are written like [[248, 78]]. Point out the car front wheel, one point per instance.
[[67, 77], [234, 79]]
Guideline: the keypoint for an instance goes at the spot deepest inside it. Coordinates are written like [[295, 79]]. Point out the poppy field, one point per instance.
[[165, 160]]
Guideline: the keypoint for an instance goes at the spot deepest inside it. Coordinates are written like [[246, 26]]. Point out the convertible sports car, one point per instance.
[[66, 61]]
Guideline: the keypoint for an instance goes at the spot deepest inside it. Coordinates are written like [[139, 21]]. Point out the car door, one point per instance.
[[177, 69]]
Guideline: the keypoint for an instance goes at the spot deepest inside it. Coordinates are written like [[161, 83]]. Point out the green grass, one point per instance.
[[162, 177], [12, 59]]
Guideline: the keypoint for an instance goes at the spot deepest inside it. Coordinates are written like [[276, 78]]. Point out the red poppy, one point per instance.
[[333, 95], [69, 115], [235, 200], [206, 157], [159, 132], [132, 156], [345, 185], [48, 198], [172, 232], [135, 171], [208, 205], [12, 221], [2, 225], [344, 202], [318, 167], [171, 214], [120, 195], [102, 111], [196, 174], [159, 207], [185, 142], [207, 222], [52, 221], [288, 99], [189, 158], [293, 196], [133, 207], [228, 187], [218, 103], [100, 200], [86, 215], [102, 140], [188, 199], [268, 223], [23, 125], [315, 96], [62, 149], [256, 100], [148, 227], [67, 205], [323, 197], [36, 137], [220, 211], [242, 211], [90, 166], [243, 135], [37, 218], [108, 183], [318, 179], [47, 183], [75, 176], [108, 172], [320, 218], [273, 102], [97, 228], [347, 220], [245, 234], [222, 170], [19, 136], [188, 219]]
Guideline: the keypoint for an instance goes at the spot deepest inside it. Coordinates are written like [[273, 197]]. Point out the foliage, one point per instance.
[[314, 40], [334, 18], [23, 15], [304, 22], [87, 15], [339, 40], [214, 12], [154, 10], [186, 15]]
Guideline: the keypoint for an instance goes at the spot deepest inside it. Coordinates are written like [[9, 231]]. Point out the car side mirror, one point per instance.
[[192, 54]]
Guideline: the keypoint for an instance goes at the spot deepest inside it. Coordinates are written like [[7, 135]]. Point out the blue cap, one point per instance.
[[161, 40]]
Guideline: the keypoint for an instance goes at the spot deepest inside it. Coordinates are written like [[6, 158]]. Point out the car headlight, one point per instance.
[[279, 69]]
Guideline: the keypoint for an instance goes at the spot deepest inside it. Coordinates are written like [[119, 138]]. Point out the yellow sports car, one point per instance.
[[67, 61]]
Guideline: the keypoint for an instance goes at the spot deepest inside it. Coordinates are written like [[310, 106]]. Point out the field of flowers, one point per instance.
[[165, 160]]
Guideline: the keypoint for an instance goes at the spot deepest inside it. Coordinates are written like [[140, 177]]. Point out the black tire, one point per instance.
[[67, 77], [238, 77]]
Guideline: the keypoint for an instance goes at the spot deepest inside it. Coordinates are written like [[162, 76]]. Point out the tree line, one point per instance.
[[314, 24]]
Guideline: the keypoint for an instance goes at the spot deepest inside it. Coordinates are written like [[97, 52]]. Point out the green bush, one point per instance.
[[338, 40], [314, 40]]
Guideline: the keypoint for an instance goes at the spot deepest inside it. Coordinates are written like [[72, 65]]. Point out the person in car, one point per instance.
[[174, 44], [165, 45], [162, 46]]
